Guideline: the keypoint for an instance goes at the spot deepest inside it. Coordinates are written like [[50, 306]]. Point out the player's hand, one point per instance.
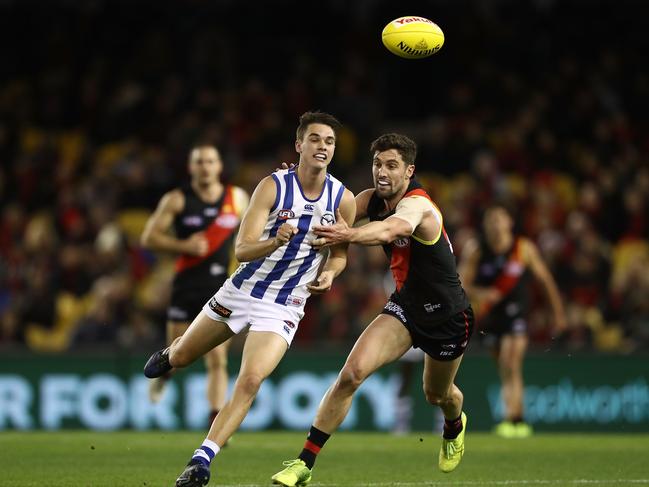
[[560, 325], [197, 245], [284, 233], [285, 165], [334, 234], [492, 295], [322, 284]]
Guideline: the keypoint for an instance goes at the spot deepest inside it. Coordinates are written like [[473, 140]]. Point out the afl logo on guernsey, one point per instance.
[[327, 219], [285, 214]]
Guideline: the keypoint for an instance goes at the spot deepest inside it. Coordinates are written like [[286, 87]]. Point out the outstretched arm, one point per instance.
[[248, 246], [337, 260], [408, 215]]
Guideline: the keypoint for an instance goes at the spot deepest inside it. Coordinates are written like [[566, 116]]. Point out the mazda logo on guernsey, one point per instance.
[[285, 214], [227, 221], [327, 219]]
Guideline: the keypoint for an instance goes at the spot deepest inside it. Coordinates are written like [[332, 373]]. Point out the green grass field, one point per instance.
[[91, 459]]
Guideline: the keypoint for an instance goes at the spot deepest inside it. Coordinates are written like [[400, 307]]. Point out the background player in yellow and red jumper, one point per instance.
[[495, 270], [204, 215]]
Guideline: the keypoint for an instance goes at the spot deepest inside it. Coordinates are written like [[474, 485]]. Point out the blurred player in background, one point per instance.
[[204, 215], [267, 293], [404, 403], [429, 308], [407, 365], [495, 271]]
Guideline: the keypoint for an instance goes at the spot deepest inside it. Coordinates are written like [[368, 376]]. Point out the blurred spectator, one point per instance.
[[94, 125]]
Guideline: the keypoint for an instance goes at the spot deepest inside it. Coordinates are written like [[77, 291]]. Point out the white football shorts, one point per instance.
[[239, 310]]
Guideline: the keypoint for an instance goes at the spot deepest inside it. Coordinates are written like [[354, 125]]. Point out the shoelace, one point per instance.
[[294, 466], [449, 448]]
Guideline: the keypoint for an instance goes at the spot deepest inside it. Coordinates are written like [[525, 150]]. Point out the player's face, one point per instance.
[[205, 165], [317, 147], [497, 222], [391, 174]]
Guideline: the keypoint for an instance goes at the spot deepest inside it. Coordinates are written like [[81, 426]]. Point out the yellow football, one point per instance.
[[412, 37]]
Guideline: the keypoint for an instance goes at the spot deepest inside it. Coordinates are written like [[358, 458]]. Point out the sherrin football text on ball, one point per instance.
[[412, 37]]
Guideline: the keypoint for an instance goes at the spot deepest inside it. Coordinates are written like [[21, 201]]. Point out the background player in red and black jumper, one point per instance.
[[429, 308], [495, 270], [204, 216]]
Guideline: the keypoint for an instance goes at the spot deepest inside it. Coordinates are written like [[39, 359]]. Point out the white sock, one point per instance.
[[206, 452]]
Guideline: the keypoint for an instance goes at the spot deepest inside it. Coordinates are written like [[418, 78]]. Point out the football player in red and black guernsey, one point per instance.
[[429, 308], [204, 216], [495, 270]]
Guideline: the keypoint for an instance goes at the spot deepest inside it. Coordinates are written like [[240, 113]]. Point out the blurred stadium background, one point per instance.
[[542, 103]]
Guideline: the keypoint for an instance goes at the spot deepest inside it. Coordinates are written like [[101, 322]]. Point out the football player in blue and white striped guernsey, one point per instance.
[[266, 295]]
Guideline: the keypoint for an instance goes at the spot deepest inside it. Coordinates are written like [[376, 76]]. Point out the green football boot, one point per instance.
[[452, 450], [296, 473], [506, 429], [523, 430]]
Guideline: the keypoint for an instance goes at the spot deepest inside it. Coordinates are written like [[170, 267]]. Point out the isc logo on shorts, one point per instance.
[[219, 309], [294, 300], [402, 242]]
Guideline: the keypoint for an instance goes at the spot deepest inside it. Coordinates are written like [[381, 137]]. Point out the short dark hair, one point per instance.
[[203, 144], [404, 145], [501, 203], [307, 118]]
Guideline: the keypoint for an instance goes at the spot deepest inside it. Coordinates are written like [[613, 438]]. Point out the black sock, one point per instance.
[[452, 427], [213, 414], [315, 440], [517, 419]]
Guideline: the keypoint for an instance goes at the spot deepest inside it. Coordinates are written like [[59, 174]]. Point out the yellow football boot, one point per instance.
[[452, 450], [296, 473]]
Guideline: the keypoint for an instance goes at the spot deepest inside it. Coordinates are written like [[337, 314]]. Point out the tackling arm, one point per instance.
[[409, 214], [337, 260]]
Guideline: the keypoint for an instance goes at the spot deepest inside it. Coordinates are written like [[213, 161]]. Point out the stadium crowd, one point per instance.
[[97, 117]]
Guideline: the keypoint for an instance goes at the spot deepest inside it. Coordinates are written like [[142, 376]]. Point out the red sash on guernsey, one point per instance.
[[509, 276], [400, 261], [218, 232]]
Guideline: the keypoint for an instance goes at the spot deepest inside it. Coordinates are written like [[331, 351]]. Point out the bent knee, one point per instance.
[[510, 367], [437, 398], [179, 357], [434, 397], [351, 377], [249, 383], [216, 359]]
